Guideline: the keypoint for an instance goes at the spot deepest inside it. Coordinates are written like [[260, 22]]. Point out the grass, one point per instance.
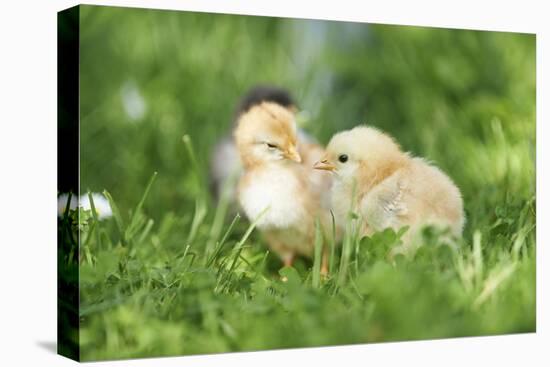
[[160, 294], [173, 272]]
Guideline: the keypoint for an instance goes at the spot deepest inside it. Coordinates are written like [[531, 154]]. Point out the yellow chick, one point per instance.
[[276, 178], [392, 189], [225, 162]]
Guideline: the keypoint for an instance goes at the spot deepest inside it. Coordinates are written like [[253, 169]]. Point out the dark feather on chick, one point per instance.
[[265, 93]]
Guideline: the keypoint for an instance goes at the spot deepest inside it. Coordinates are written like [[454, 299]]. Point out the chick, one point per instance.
[[225, 161], [276, 180], [388, 187]]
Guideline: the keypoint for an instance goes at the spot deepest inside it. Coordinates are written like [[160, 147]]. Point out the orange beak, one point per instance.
[[293, 155], [324, 165]]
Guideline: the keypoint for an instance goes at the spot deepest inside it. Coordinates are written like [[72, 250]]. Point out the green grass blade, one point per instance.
[[198, 218], [332, 244], [219, 247], [478, 258], [146, 231], [143, 197], [96, 221], [195, 169], [349, 238], [239, 245], [116, 214], [68, 206], [221, 211], [134, 221], [318, 247], [190, 151]]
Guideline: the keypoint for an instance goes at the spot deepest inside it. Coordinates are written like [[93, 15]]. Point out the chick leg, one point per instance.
[[276, 245], [288, 259]]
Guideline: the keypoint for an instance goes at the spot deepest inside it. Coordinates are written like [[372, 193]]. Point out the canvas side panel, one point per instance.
[[68, 33]]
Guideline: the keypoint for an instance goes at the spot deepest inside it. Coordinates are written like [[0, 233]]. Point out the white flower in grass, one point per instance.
[[62, 203], [102, 206]]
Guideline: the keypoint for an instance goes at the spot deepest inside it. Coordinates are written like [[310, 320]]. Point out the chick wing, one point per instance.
[[385, 205]]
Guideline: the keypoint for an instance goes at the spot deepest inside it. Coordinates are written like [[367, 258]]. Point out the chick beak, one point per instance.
[[293, 155], [324, 165]]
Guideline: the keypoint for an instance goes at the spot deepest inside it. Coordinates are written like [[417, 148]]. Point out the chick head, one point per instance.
[[266, 133], [361, 154]]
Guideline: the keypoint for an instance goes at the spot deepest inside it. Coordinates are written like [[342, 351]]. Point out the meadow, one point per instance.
[[173, 271]]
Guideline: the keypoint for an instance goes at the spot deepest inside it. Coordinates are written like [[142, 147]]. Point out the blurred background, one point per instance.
[[463, 99]]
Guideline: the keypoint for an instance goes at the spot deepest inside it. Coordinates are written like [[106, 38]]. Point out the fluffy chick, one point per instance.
[[391, 188], [225, 162], [275, 178]]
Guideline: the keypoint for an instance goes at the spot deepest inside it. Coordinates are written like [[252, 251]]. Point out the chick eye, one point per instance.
[[343, 158], [271, 146]]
